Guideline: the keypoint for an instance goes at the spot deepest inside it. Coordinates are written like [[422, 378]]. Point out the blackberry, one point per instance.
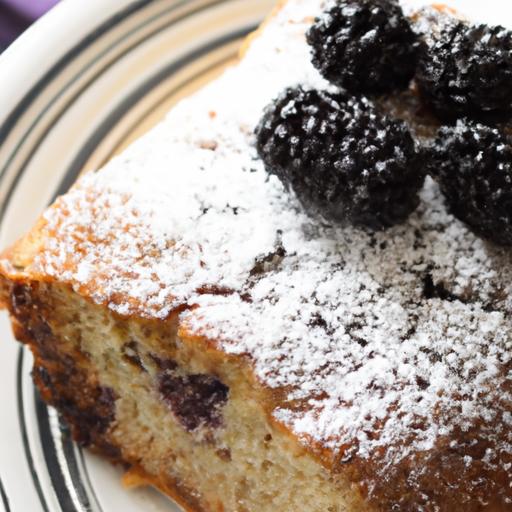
[[473, 166], [467, 72], [364, 46], [342, 159]]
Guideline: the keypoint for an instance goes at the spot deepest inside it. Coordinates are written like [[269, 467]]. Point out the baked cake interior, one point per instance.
[[192, 322]]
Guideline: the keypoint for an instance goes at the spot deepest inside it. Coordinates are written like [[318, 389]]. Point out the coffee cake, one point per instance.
[[190, 320]]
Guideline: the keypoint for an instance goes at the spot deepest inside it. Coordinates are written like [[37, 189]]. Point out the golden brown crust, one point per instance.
[[445, 8], [137, 477], [58, 379], [63, 378], [67, 379]]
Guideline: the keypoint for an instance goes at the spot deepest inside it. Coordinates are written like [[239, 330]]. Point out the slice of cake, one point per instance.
[[192, 319]]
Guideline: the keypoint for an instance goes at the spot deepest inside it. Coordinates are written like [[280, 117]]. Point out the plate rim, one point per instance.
[[73, 19], [21, 51]]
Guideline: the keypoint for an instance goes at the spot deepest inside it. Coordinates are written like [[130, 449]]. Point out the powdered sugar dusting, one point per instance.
[[379, 339], [351, 325], [140, 245]]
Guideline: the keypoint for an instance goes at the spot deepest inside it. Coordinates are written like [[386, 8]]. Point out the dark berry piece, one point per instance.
[[196, 400], [473, 166], [342, 158], [467, 72], [364, 46]]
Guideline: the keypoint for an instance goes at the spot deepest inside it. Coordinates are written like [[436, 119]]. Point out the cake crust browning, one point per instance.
[[62, 378], [87, 407], [69, 377], [137, 477], [395, 395]]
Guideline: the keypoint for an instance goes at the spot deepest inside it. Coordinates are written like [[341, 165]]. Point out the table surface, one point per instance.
[[17, 15]]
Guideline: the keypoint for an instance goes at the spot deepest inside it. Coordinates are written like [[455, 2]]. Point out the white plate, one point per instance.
[[82, 83], [76, 88]]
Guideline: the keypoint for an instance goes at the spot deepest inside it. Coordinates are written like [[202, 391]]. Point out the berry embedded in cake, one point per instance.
[[292, 316]]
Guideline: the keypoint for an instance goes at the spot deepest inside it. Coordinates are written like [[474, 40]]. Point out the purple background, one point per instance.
[[17, 15]]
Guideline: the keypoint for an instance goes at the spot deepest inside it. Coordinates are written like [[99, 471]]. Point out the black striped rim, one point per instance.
[[4, 498], [84, 470], [66, 482], [57, 68], [24, 432], [73, 470], [39, 88]]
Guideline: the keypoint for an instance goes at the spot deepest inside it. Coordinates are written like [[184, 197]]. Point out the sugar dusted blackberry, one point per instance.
[[364, 46], [473, 165], [343, 159], [467, 72]]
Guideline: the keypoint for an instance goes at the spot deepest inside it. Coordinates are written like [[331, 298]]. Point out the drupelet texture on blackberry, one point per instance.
[[364, 46], [473, 166], [467, 72], [342, 158]]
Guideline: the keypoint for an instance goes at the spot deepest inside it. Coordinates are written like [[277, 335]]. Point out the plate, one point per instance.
[[80, 85], [84, 81]]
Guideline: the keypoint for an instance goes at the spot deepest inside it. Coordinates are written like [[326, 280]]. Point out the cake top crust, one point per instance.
[[393, 348]]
